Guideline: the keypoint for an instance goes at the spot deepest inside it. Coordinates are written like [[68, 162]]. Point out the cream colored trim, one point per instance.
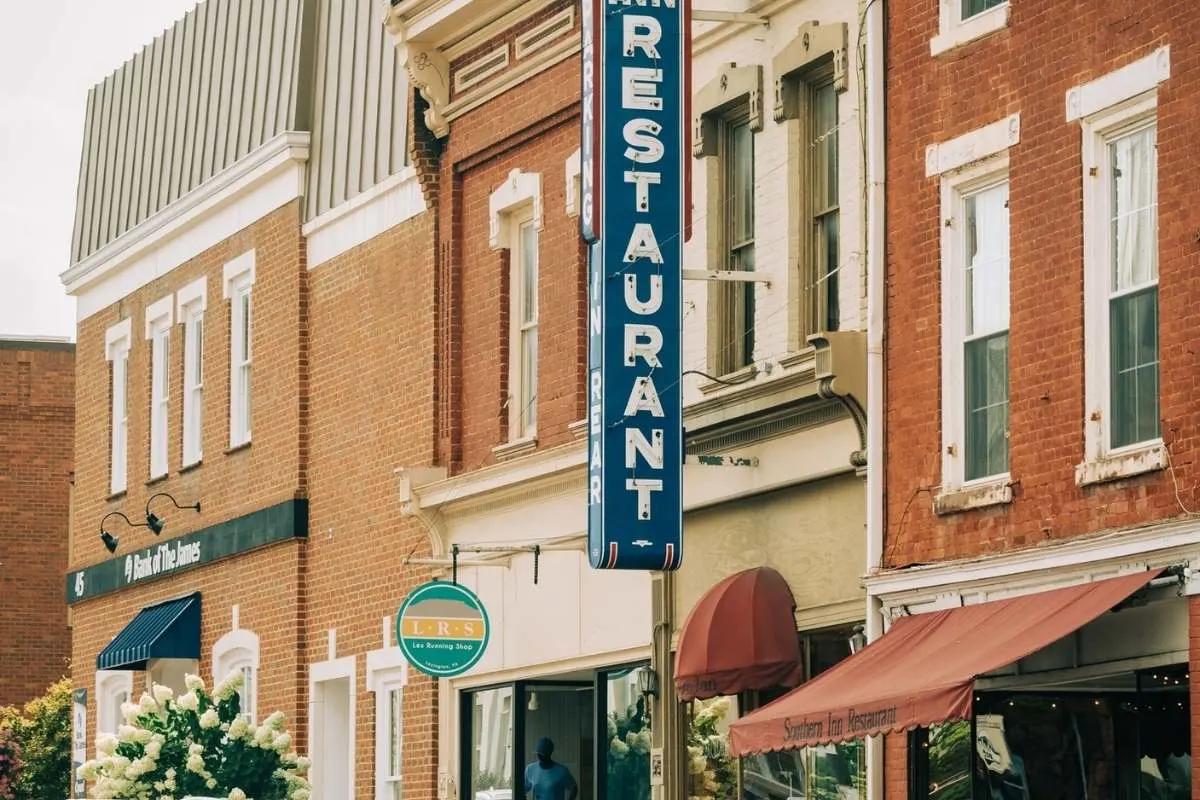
[[481, 69], [1112, 466], [538, 37], [973, 146], [523, 11], [264, 180], [159, 315], [551, 668], [237, 272], [365, 216], [523, 71], [518, 190], [956, 34], [574, 177], [1120, 85], [118, 338], [195, 292]]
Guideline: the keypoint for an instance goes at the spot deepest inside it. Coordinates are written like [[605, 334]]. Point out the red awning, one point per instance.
[[923, 670], [741, 635]]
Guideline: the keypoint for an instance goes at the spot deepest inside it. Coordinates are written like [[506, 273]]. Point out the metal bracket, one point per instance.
[[734, 276], [509, 550], [707, 15]]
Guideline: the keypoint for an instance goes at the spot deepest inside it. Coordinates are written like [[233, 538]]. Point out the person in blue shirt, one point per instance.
[[545, 779]]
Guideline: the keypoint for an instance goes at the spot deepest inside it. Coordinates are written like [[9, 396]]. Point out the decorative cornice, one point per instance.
[[813, 42], [429, 70], [731, 85]]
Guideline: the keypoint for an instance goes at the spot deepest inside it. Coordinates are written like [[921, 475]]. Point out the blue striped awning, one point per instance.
[[170, 629]]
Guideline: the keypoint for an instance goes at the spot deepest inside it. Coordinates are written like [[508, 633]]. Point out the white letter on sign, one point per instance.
[[643, 181], [636, 442], [635, 304], [643, 397], [638, 88], [642, 33], [643, 244], [642, 341], [643, 487], [643, 133]]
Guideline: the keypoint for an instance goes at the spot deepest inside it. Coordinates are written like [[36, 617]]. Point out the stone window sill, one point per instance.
[[966, 498], [731, 381], [1127, 464], [157, 479], [237, 448], [515, 448], [578, 429], [975, 28], [186, 468]]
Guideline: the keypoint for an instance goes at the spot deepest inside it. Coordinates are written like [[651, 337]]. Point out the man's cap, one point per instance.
[[544, 748]]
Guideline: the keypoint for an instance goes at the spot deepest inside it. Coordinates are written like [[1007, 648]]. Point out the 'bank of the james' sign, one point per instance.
[[633, 160]]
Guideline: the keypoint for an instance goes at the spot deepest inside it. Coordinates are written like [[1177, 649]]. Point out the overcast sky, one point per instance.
[[51, 53]]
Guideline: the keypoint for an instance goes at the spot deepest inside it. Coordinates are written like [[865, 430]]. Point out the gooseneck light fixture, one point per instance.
[[154, 522], [109, 540]]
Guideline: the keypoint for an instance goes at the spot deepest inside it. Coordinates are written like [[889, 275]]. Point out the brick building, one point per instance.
[[780, 389], [252, 261], [37, 421]]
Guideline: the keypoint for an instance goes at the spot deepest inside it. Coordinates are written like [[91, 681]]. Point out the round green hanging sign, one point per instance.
[[442, 629]]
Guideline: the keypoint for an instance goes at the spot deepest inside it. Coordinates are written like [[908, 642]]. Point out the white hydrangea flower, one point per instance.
[[302, 765], [238, 728], [195, 763], [106, 744], [126, 732], [194, 683], [142, 735], [227, 688], [195, 749], [275, 721], [188, 701], [210, 719], [89, 770], [300, 794], [147, 705], [130, 712], [153, 748], [211, 783], [237, 794], [162, 694], [282, 742]]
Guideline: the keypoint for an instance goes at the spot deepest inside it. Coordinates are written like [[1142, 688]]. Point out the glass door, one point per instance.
[[624, 735]]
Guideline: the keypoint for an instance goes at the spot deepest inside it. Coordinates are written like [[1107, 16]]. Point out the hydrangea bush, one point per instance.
[[196, 745], [711, 771], [10, 763]]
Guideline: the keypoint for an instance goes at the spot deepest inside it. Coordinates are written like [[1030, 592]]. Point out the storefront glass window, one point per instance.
[[564, 713], [627, 776], [492, 743], [948, 747]]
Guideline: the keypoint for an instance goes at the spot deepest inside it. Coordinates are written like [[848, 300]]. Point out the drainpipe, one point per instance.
[[876, 287]]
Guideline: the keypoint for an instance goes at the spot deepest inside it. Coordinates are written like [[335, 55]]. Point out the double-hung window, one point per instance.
[[823, 173], [117, 341], [158, 332], [237, 652], [1118, 120], [964, 21], [523, 318], [192, 301], [239, 285], [975, 281], [387, 675], [737, 308]]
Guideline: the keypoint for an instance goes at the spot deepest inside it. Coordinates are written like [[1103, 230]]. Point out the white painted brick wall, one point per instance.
[[722, 43]]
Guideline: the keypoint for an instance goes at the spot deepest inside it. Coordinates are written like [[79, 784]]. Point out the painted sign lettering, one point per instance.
[[635, 96], [443, 629]]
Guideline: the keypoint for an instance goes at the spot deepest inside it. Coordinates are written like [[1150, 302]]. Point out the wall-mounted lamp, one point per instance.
[[859, 640], [155, 523], [109, 540], [533, 701], [647, 683]]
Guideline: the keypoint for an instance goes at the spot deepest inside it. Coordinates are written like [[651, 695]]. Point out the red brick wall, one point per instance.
[[533, 127], [37, 420], [267, 584], [371, 411], [1028, 68]]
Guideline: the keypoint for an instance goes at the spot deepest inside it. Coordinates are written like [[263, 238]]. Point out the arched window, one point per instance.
[[237, 651], [113, 687]]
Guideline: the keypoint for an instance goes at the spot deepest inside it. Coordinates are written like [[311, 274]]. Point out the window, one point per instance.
[[964, 21], [975, 243], [736, 309], [158, 332], [824, 204], [239, 281], [387, 675], [192, 302], [1122, 422], [514, 220], [523, 317], [113, 689], [117, 341], [238, 651], [332, 694]]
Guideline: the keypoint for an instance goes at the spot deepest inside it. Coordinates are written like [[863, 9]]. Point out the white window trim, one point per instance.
[[1118, 86], [159, 318], [109, 683], [967, 162], [320, 672], [387, 669], [574, 183], [238, 277], [192, 302], [236, 649], [117, 340], [1100, 461], [954, 32], [517, 201]]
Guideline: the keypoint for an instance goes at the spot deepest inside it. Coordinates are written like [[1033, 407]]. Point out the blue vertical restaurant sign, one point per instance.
[[635, 208]]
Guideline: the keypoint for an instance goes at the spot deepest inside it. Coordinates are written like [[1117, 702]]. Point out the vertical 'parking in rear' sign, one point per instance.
[[634, 213]]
